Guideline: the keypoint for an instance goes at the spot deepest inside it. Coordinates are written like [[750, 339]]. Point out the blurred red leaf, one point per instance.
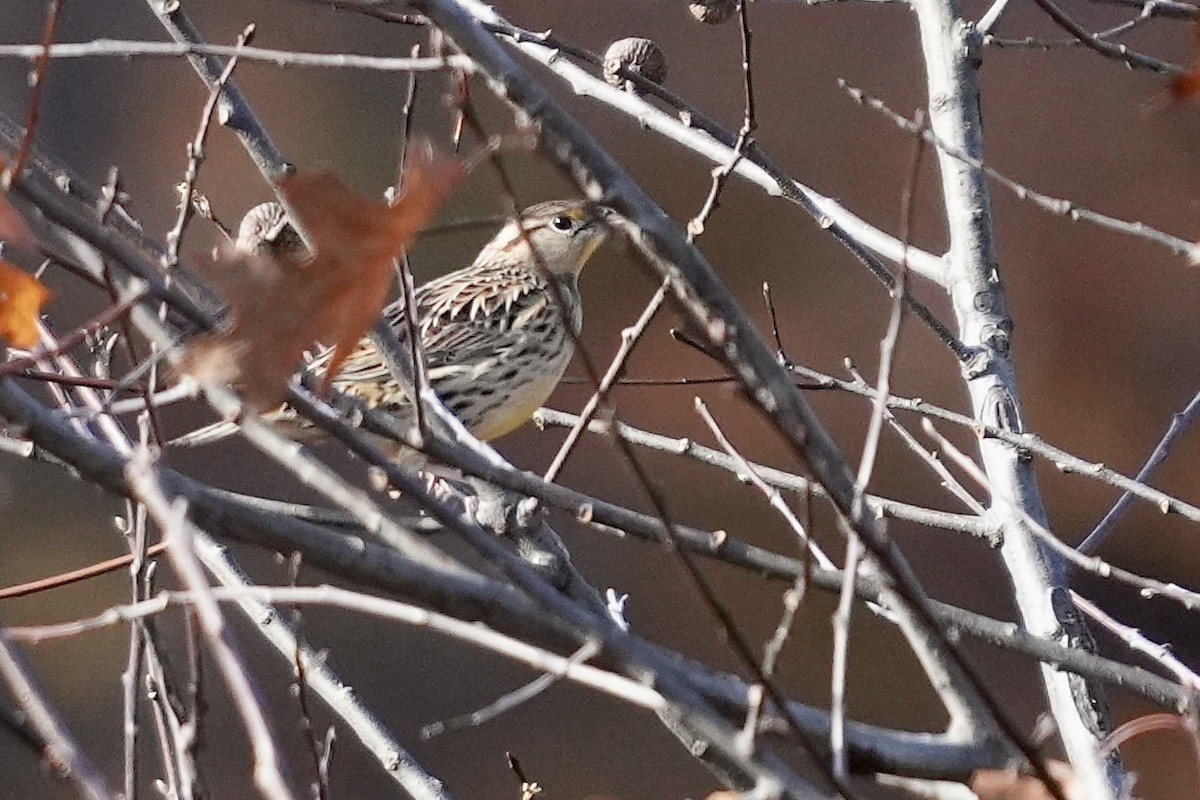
[[1187, 85], [283, 302], [21, 299]]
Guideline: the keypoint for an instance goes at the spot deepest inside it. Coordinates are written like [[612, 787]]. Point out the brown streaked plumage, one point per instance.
[[495, 340]]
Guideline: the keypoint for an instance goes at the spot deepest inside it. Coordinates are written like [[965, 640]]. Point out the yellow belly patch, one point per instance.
[[518, 409]]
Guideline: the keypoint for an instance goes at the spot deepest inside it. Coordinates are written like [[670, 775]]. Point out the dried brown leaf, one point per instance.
[[1008, 784], [357, 239], [283, 302]]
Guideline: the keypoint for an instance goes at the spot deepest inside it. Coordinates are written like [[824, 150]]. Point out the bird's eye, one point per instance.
[[562, 223]]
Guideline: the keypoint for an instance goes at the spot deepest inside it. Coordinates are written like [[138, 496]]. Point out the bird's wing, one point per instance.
[[467, 313], [459, 319], [363, 365]]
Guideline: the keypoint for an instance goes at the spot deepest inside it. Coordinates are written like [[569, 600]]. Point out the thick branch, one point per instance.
[[949, 47], [475, 598]]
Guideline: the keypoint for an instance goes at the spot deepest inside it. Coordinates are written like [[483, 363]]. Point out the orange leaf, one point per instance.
[[21, 299], [282, 302]]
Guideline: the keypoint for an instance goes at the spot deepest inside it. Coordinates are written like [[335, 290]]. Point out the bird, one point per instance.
[[496, 336]]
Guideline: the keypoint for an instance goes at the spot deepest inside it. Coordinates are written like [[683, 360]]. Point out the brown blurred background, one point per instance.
[[1106, 350]]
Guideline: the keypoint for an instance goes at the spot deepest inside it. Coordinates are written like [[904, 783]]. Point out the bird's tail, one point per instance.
[[206, 435]]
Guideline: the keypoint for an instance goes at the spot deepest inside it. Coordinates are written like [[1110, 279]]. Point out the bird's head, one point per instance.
[[564, 233]]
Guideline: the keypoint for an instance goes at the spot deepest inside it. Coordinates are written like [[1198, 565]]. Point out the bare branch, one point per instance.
[[126, 49], [62, 751]]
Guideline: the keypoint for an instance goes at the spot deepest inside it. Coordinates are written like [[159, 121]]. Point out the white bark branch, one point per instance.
[[950, 49]]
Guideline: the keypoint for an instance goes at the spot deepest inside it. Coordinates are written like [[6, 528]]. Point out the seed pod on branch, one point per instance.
[[637, 55], [713, 12]]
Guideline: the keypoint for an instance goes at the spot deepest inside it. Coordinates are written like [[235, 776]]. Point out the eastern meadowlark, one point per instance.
[[496, 335]]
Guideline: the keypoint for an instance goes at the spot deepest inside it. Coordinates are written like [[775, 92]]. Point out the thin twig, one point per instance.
[[398, 765], [320, 759], [773, 649], [987, 23], [76, 575], [855, 551], [62, 751], [420, 375], [1179, 424], [37, 81], [772, 476], [1160, 654], [631, 335], [175, 742], [125, 49], [1118, 52], [1023, 440], [1053, 205], [1138, 642], [571, 668], [1170, 9], [195, 152], [64, 343], [773, 496], [178, 533], [510, 700], [708, 593], [629, 338], [131, 678], [1147, 587]]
